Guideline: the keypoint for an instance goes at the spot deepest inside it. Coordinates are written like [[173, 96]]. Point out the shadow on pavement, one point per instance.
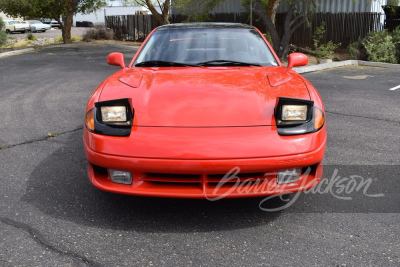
[[60, 188]]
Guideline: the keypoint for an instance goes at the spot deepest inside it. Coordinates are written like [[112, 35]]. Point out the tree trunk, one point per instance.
[[260, 10], [165, 12], [66, 26], [280, 44], [272, 7], [287, 32], [162, 18]]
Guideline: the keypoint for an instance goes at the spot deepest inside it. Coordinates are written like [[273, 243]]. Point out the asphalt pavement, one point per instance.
[[50, 214]]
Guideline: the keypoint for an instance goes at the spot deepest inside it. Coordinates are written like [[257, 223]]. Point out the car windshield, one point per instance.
[[35, 22], [205, 47], [14, 22]]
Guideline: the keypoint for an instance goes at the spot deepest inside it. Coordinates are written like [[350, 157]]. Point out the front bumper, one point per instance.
[[208, 177]]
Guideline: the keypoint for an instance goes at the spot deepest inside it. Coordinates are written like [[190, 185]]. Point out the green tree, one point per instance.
[[197, 10], [52, 9]]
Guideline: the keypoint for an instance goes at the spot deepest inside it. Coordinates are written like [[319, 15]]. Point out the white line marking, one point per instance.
[[394, 88]]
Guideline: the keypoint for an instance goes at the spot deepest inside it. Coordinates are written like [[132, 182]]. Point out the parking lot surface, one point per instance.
[[50, 214]]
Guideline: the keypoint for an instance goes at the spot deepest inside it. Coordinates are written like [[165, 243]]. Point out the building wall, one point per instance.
[[333, 6], [5, 17], [229, 6], [337, 6], [98, 17]]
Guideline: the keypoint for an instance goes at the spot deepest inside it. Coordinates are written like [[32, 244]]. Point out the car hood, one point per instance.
[[204, 97]]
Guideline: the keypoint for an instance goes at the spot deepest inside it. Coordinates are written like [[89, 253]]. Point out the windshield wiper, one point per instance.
[[222, 62], [161, 63]]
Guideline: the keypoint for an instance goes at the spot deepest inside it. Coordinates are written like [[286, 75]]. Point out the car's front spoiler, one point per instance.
[[212, 178]]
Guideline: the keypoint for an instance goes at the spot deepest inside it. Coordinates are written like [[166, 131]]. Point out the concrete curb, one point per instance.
[[378, 64], [124, 46], [326, 66], [16, 52], [90, 44]]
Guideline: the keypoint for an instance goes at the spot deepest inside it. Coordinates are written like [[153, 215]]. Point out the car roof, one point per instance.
[[206, 25]]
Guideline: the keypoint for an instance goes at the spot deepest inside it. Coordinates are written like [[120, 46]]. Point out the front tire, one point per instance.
[[8, 31]]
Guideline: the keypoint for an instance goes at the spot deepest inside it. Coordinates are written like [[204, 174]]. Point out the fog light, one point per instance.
[[288, 176], [121, 177]]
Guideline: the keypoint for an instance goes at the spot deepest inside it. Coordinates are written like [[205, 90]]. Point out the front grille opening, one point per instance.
[[254, 176], [172, 177]]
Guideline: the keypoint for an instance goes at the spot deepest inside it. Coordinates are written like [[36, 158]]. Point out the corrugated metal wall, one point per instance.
[[337, 6], [333, 6], [229, 6]]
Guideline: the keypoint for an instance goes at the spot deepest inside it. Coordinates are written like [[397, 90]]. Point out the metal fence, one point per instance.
[[343, 28]]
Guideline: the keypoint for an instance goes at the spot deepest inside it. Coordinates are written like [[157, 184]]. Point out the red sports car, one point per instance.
[[205, 110]]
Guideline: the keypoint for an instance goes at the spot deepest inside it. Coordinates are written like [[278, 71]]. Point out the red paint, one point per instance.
[[297, 60], [116, 59], [192, 123]]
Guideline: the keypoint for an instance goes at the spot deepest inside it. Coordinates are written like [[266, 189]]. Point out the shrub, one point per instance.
[[396, 41], [3, 38], [31, 37], [58, 39], [98, 32], [380, 47], [357, 51], [323, 50], [76, 38]]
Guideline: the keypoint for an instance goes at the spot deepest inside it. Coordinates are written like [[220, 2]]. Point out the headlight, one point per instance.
[[294, 112], [112, 117], [291, 111], [297, 116], [113, 114]]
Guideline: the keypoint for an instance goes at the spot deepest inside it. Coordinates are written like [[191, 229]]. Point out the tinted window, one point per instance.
[[196, 45]]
